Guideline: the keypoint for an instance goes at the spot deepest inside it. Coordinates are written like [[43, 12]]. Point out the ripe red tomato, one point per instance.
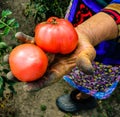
[[28, 62], [56, 35]]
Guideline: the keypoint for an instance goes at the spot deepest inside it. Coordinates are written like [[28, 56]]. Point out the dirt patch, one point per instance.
[[17, 8]]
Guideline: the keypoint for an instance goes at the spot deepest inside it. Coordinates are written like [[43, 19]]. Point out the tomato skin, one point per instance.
[[28, 62], [56, 36]]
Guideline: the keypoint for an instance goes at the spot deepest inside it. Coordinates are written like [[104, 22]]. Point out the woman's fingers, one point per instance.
[[85, 53], [85, 58], [24, 38], [6, 58], [85, 65], [11, 77], [54, 73], [28, 39]]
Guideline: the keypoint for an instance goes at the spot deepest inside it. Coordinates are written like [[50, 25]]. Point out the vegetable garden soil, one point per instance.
[[42, 103]]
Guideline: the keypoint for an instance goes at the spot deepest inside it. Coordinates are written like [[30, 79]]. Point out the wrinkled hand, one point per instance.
[[90, 33], [60, 65]]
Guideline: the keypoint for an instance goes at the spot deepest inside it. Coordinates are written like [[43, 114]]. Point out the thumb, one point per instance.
[[84, 60]]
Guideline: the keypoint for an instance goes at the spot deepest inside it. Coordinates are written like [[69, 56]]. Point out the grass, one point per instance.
[[109, 107]]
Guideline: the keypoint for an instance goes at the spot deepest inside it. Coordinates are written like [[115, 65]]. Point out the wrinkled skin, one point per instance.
[[59, 65], [89, 36]]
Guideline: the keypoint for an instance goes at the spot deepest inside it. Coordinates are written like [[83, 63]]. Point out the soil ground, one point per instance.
[[29, 104]]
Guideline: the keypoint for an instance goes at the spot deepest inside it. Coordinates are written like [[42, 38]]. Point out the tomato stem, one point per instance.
[[54, 21]]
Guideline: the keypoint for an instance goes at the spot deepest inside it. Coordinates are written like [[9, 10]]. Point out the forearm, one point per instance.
[[99, 27]]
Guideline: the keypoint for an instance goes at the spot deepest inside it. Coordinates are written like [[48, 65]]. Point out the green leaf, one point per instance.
[[2, 25], [12, 89], [43, 107], [10, 21], [15, 25], [3, 45], [1, 35], [5, 13], [1, 82], [3, 63], [1, 92], [6, 31], [5, 71]]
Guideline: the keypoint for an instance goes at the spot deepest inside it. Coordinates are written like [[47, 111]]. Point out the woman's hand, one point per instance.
[[60, 65], [96, 29]]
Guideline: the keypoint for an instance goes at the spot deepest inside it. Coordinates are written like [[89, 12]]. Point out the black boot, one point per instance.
[[69, 103]]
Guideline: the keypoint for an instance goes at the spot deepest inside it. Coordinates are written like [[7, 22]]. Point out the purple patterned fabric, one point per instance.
[[100, 85], [107, 68]]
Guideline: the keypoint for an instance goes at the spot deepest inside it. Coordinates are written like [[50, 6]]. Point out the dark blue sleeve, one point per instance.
[[115, 1]]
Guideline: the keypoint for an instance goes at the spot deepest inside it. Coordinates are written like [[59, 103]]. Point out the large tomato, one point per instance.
[[28, 62], [56, 35]]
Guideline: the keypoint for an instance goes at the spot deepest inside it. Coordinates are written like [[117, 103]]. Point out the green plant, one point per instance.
[[41, 10], [8, 28], [9, 24], [68, 115], [43, 107], [108, 107]]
